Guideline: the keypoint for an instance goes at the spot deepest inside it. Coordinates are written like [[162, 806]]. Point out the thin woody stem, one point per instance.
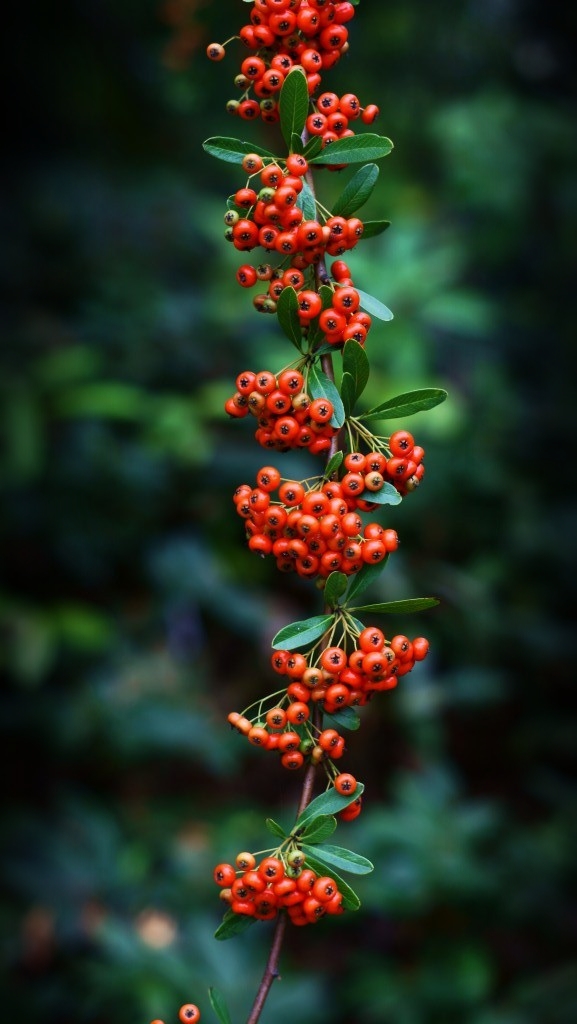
[[271, 972]]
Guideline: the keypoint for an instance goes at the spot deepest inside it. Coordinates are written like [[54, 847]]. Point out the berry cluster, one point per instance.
[[273, 219], [281, 882], [333, 679], [317, 531], [287, 416], [284, 33]]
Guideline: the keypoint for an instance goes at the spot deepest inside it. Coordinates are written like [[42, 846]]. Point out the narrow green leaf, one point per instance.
[[313, 146], [320, 386], [275, 828], [388, 495], [406, 404], [356, 363], [363, 579], [346, 718], [374, 307], [219, 1005], [339, 857], [296, 145], [356, 193], [329, 802], [293, 104], [233, 924], [333, 464], [348, 394], [350, 899], [297, 634], [356, 149], [334, 587], [411, 604], [375, 227], [306, 202], [319, 829], [232, 151], [288, 317]]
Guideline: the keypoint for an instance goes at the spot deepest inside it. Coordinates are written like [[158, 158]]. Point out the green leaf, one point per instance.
[[356, 363], [219, 1006], [293, 104], [350, 899], [356, 149], [333, 464], [320, 386], [411, 604], [297, 634], [335, 586], [339, 857], [296, 144], [406, 404], [356, 192], [374, 306], [319, 829], [348, 394], [363, 579], [275, 828], [232, 151], [313, 146], [233, 924], [329, 802], [346, 718], [375, 227], [306, 202], [288, 317], [388, 495]]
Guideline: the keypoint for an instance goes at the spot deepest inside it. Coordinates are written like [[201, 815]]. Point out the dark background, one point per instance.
[[132, 616]]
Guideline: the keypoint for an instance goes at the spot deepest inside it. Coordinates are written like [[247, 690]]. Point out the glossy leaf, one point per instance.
[[356, 363], [312, 147], [406, 404], [275, 828], [232, 151], [375, 227], [339, 857], [232, 924], [335, 587], [297, 634], [374, 307], [306, 202], [364, 578], [348, 394], [355, 150], [219, 1006], [346, 718], [319, 829], [293, 104], [333, 464], [411, 604], [296, 144], [320, 386], [329, 802], [350, 899], [388, 495], [356, 193], [288, 317]]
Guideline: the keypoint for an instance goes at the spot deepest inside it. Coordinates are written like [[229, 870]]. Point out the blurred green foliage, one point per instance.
[[132, 617]]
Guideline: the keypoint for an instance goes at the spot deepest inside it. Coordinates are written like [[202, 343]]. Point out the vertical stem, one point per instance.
[[271, 971]]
